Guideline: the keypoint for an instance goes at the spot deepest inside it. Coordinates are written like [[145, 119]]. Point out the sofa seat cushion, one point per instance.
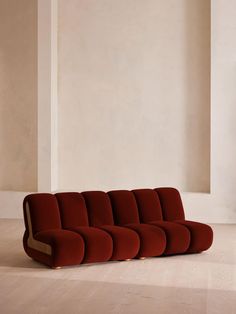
[[177, 237], [67, 246], [201, 235], [152, 239], [125, 242], [98, 244]]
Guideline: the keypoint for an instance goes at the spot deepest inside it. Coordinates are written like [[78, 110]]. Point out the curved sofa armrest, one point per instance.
[[67, 247], [201, 235], [56, 238], [53, 236]]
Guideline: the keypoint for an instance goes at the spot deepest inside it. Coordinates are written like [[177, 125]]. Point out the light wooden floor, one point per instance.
[[199, 283]]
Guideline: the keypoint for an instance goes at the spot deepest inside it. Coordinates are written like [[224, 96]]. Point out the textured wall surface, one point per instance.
[[134, 94], [18, 95]]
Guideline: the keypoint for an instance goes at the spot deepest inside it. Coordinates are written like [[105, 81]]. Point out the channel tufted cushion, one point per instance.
[[124, 207], [42, 211], [149, 205], [72, 209], [201, 235], [125, 242], [98, 244], [177, 237]]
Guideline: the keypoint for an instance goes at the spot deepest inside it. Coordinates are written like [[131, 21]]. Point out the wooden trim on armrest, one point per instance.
[[32, 243]]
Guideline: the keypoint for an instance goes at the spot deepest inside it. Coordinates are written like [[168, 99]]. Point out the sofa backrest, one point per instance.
[[72, 209], [148, 204], [171, 204], [41, 212], [45, 211], [99, 208], [124, 206]]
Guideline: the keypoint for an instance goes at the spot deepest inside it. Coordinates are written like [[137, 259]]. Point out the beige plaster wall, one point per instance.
[[220, 205], [18, 95], [134, 94]]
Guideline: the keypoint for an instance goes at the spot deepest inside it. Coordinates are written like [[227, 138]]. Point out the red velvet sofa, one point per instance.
[[72, 228]]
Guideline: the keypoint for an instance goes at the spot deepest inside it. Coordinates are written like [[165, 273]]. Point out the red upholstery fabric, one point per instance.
[[126, 211], [125, 242], [41, 258], [148, 204], [171, 203], [147, 223], [73, 210], [152, 239], [201, 235], [36, 255], [177, 237], [99, 208], [98, 244], [67, 246], [44, 211], [124, 206]]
